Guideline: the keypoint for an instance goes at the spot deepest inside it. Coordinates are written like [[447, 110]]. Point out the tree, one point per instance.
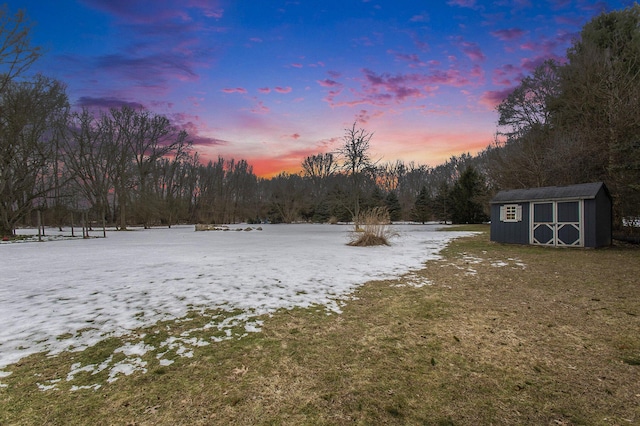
[[600, 103], [16, 52], [356, 160], [87, 155], [319, 166], [393, 206], [421, 208], [527, 106], [466, 194], [30, 113]]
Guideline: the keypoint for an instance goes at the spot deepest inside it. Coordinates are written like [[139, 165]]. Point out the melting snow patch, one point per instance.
[[45, 388], [161, 276], [138, 349], [127, 367], [95, 386]]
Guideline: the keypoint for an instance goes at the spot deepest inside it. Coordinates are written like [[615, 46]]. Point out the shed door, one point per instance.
[[557, 223]]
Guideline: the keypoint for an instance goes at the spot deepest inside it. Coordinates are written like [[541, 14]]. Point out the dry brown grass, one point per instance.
[[372, 228], [489, 334]]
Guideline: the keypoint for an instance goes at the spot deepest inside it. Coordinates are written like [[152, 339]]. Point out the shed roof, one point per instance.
[[583, 191]]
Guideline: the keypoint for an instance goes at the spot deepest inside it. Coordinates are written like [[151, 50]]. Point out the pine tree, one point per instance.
[[421, 207], [393, 206], [465, 207]]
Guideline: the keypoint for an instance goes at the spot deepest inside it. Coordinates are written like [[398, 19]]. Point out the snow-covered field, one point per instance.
[[89, 289]]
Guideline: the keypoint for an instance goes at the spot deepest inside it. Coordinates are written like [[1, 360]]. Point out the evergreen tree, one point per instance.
[[465, 207], [421, 208], [393, 206]]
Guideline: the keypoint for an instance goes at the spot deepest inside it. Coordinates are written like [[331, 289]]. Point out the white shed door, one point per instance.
[[557, 223]]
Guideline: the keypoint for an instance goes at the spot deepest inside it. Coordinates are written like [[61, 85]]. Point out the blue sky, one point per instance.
[[273, 81]]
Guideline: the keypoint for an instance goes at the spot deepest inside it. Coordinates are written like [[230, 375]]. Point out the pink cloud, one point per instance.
[[260, 107], [106, 103], [297, 65], [283, 89], [328, 83], [473, 51], [423, 17], [413, 59], [235, 90], [463, 3], [508, 34], [264, 90], [506, 75], [492, 98]]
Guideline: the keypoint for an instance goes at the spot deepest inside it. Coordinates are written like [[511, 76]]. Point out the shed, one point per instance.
[[559, 216]]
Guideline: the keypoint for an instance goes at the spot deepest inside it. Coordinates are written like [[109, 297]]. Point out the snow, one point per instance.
[[70, 293]]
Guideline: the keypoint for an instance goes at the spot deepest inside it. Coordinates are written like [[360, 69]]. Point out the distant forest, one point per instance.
[[570, 121]]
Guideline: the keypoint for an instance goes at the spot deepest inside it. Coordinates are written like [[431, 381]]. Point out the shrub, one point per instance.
[[372, 228]]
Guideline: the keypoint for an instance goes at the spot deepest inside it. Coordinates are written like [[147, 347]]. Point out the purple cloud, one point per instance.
[[473, 51], [328, 83], [508, 34], [492, 98], [283, 89], [463, 3], [241, 90], [106, 103]]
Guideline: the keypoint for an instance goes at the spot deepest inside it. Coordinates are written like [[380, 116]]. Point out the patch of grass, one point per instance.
[[372, 228], [470, 348]]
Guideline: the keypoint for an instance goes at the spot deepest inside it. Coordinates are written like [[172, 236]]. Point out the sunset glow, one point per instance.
[[275, 81]]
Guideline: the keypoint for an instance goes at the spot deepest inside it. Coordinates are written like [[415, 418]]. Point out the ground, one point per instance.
[[489, 334]]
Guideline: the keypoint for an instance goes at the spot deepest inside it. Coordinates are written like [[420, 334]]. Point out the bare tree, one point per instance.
[[356, 161], [29, 110], [16, 52]]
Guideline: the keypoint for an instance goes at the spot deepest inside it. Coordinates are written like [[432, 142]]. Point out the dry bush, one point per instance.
[[372, 228]]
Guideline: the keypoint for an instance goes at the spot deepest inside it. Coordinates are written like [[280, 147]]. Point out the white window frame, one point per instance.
[[511, 213]]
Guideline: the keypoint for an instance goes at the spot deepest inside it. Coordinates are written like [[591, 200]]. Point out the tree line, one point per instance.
[[571, 122]]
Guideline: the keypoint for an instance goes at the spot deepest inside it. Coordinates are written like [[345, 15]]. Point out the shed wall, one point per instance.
[[510, 232]]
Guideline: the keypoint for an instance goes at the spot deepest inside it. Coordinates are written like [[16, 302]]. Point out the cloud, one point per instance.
[[264, 90], [412, 58], [296, 65], [234, 90], [386, 89], [422, 17], [471, 4], [328, 83], [472, 50], [283, 89], [492, 98], [508, 34], [106, 103], [193, 125], [506, 75], [151, 11]]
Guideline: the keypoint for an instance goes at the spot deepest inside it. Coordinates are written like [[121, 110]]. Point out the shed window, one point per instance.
[[511, 213]]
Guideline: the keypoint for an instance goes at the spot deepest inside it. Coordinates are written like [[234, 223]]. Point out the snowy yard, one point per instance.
[[87, 290]]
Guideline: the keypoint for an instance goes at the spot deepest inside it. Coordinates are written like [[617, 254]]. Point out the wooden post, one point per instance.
[[39, 226]]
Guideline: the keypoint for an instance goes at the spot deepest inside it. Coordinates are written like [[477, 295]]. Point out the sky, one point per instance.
[[274, 81], [59, 306]]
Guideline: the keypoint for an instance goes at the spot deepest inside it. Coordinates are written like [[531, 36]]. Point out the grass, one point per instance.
[[489, 334], [372, 229]]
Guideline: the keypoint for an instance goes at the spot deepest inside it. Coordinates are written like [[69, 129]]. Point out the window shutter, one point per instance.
[[519, 213], [503, 213]]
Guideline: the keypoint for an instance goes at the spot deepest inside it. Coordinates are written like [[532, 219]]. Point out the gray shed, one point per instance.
[[559, 216]]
